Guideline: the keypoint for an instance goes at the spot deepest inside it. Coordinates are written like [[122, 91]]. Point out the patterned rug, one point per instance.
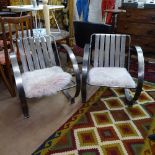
[[149, 69], [104, 125], [149, 146]]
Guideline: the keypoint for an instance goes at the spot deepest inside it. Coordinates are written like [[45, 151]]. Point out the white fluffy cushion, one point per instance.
[[45, 82], [110, 77]]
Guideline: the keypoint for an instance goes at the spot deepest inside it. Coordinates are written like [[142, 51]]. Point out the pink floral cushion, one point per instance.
[[2, 57], [1, 45], [78, 51]]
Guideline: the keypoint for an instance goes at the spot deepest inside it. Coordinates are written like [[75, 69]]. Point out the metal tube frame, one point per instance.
[[86, 59], [76, 71], [19, 84], [131, 99]]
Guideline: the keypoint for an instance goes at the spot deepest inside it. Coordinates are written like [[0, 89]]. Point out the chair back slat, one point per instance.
[[22, 56], [28, 54], [112, 51], [34, 53], [97, 47], [28, 32], [107, 50], [101, 52], [48, 61], [50, 50], [37, 52], [40, 54], [117, 52], [22, 29], [122, 54]]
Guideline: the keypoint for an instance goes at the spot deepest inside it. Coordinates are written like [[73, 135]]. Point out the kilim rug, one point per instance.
[[149, 146], [149, 69], [105, 125]]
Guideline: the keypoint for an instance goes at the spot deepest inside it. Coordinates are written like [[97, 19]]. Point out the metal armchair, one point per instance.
[[111, 64], [40, 73]]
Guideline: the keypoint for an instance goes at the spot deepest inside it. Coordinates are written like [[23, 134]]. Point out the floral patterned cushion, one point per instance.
[[2, 57], [78, 51]]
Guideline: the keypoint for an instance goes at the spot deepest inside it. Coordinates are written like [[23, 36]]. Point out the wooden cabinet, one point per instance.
[[140, 24]]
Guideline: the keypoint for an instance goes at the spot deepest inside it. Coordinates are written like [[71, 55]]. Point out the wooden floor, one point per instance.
[[19, 136]]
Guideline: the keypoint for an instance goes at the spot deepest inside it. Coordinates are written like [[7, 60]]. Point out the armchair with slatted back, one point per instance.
[[41, 73], [11, 29], [111, 64]]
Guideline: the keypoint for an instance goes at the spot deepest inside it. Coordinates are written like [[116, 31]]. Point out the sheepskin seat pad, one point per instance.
[[110, 77], [45, 82]]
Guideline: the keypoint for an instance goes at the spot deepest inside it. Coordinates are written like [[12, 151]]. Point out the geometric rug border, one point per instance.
[[44, 149], [54, 138]]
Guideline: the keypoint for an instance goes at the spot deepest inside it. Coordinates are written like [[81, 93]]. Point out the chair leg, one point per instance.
[[69, 97], [24, 107], [9, 86], [132, 99], [23, 100], [25, 111], [84, 94]]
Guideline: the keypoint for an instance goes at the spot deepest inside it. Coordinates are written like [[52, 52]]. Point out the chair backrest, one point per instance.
[[83, 31], [110, 49], [15, 27], [38, 53]]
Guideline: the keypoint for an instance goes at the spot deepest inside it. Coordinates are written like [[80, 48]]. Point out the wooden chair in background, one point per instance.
[[11, 29]]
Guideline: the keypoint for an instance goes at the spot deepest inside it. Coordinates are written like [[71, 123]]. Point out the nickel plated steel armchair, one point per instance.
[[111, 64], [41, 73]]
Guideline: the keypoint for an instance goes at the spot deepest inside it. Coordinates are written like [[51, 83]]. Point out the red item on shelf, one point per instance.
[[108, 4]]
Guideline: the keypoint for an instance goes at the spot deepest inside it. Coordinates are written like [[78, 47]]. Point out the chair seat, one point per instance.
[[45, 82], [110, 77]]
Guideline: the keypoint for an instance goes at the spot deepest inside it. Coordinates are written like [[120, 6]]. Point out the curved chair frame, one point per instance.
[[130, 98], [19, 84]]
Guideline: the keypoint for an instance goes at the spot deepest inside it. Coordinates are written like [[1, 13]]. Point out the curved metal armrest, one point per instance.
[[17, 75], [140, 63], [140, 70], [85, 63], [75, 67]]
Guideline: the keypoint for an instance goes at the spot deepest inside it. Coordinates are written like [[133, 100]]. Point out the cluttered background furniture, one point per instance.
[[40, 61], [140, 24], [11, 28], [111, 66]]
